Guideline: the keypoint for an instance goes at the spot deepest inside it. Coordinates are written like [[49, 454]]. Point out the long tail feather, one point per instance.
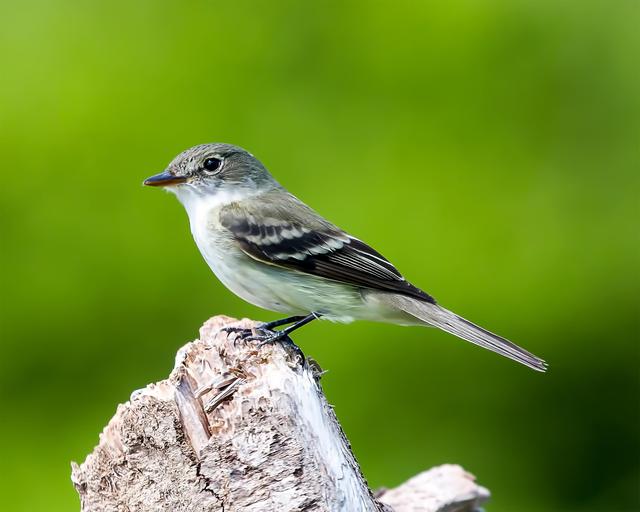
[[448, 321]]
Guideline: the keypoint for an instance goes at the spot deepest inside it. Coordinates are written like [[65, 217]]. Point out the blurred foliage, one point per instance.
[[490, 149]]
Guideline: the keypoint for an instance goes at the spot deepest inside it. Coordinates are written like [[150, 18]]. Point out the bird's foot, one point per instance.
[[264, 337], [259, 333], [271, 337], [242, 333]]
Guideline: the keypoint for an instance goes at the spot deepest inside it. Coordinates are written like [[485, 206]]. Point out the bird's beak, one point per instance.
[[164, 179]]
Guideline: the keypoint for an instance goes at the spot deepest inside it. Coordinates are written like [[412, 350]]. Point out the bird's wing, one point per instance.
[[281, 230]]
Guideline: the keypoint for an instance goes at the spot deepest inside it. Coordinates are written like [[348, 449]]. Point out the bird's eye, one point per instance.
[[212, 164]]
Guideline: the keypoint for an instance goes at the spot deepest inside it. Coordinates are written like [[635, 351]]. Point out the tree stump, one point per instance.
[[242, 427]]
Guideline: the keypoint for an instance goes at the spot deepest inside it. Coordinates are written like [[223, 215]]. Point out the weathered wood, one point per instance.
[[242, 427]]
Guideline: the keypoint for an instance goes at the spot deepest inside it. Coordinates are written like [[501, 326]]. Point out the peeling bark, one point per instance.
[[242, 427]]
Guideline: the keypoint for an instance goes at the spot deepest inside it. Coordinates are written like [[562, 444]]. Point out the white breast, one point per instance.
[[266, 286], [242, 275]]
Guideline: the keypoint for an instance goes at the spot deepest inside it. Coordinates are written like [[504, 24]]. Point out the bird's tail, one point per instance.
[[437, 316]]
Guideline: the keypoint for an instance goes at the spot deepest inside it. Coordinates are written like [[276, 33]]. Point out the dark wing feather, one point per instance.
[[291, 235]]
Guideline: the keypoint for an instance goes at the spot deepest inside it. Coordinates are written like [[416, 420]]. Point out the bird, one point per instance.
[[275, 252]]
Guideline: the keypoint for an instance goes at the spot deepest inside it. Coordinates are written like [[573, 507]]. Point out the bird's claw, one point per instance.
[[242, 333], [245, 334], [272, 338]]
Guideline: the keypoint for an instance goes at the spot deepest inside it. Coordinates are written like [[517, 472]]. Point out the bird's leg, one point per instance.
[[244, 333], [284, 333], [299, 323], [283, 321], [247, 334]]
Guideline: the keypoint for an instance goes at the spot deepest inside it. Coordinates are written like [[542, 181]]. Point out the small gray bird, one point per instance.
[[275, 252]]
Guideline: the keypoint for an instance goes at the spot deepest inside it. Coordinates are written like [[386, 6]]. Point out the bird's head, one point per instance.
[[211, 169]]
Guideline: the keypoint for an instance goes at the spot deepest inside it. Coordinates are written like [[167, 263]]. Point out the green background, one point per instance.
[[490, 149]]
